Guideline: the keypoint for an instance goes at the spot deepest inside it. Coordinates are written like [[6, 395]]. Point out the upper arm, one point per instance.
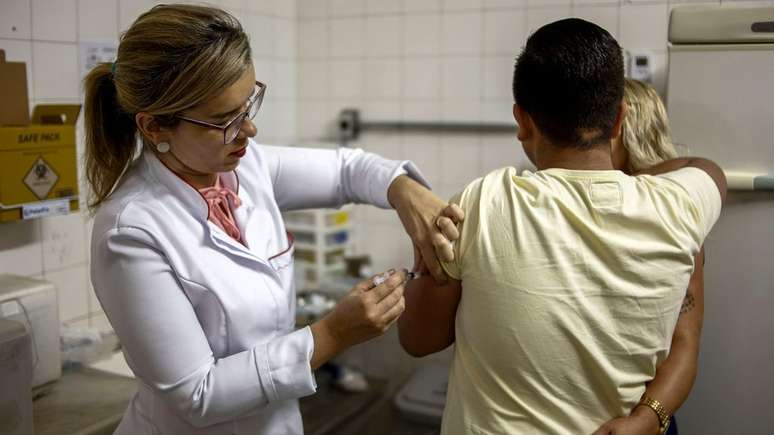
[[707, 166], [427, 324], [714, 171], [693, 200], [317, 177], [304, 177], [148, 309]]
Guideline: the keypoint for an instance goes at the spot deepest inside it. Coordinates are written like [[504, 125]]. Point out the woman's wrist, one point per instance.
[[398, 192], [327, 343]]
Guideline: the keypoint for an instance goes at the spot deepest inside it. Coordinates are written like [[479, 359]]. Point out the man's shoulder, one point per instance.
[[694, 189], [482, 187], [682, 185]]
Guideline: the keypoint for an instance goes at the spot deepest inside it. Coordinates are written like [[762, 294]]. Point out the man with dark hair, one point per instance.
[[574, 274], [572, 90]]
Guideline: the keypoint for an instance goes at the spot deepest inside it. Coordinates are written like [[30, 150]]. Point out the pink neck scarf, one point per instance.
[[220, 201]]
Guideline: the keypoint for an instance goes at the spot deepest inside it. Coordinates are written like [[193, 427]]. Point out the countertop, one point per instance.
[[86, 401]]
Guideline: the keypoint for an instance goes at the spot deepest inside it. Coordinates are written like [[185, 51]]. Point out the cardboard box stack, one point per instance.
[[38, 166]]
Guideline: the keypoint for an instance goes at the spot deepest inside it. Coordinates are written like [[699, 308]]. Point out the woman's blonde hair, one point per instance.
[[645, 131], [172, 58]]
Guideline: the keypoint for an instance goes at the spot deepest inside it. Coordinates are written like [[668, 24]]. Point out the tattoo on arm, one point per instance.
[[688, 303]]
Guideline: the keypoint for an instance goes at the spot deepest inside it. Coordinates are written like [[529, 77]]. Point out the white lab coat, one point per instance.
[[207, 324]]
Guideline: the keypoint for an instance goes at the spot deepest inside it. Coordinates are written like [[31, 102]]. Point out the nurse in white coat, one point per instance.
[[190, 258]]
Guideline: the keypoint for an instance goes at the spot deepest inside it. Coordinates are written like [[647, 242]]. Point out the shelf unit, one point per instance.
[[322, 238]]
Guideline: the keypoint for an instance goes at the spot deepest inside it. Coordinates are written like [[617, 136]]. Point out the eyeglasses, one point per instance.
[[232, 128]]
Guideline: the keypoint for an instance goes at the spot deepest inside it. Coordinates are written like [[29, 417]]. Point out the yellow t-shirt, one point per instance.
[[572, 284]]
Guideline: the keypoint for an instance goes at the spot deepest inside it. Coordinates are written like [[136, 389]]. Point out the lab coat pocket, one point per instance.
[[282, 263]]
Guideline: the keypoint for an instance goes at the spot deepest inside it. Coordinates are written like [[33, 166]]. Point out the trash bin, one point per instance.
[[15, 378]]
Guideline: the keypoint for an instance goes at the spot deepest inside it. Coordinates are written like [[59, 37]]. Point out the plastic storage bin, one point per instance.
[[423, 397], [15, 379], [33, 303], [322, 237]]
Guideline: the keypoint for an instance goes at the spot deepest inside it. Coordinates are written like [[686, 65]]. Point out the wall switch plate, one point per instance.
[[639, 66]]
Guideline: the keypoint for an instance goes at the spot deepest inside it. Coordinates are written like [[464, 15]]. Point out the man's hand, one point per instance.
[[429, 221], [642, 421]]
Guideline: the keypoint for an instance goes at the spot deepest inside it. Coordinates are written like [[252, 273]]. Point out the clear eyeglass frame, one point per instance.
[[232, 128]]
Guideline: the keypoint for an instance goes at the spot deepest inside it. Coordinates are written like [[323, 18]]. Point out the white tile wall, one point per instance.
[[461, 33], [346, 80], [54, 20], [45, 35], [129, 10], [98, 19], [422, 34], [382, 110], [64, 242], [343, 8], [313, 40], [312, 9], [261, 30], [375, 7], [72, 286], [421, 78], [644, 26], [21, 248], [15, 19], [504, 31], [421, 5], [55, 71], [346, 37], [284, 38], [603, 15], [382, 78], [383, 35]]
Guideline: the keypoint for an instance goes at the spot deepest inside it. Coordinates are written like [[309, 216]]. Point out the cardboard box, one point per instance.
[[38, 164], [13, 87]]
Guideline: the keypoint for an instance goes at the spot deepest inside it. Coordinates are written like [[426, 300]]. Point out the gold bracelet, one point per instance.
[[661, 413]]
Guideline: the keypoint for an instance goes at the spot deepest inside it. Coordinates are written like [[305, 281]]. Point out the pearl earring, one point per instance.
[[162, 147]]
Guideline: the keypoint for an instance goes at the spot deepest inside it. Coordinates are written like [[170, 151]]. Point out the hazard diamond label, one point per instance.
[[41, 178]]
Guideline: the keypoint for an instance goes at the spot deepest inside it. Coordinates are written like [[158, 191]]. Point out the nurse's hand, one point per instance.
[[429, 221], [367, 311]]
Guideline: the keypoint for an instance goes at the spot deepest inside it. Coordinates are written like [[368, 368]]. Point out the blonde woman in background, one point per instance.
[[645, 141], [190, 258]]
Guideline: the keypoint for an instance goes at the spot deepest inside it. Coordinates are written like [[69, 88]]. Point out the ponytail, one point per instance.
[[111, 134]]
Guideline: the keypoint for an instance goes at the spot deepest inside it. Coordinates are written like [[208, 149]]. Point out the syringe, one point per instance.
[[381, 278]]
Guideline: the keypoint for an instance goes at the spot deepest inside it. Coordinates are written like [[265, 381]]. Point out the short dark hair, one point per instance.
[[570, 79]]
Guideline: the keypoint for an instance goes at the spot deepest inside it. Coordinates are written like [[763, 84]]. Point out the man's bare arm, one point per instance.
[[427, 324]]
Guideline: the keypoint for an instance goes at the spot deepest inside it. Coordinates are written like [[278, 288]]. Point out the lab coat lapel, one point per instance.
[[244, 216], [193, 201], [255, 241]]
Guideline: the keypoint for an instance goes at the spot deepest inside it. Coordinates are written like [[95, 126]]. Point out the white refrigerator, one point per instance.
[[720, 100]]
